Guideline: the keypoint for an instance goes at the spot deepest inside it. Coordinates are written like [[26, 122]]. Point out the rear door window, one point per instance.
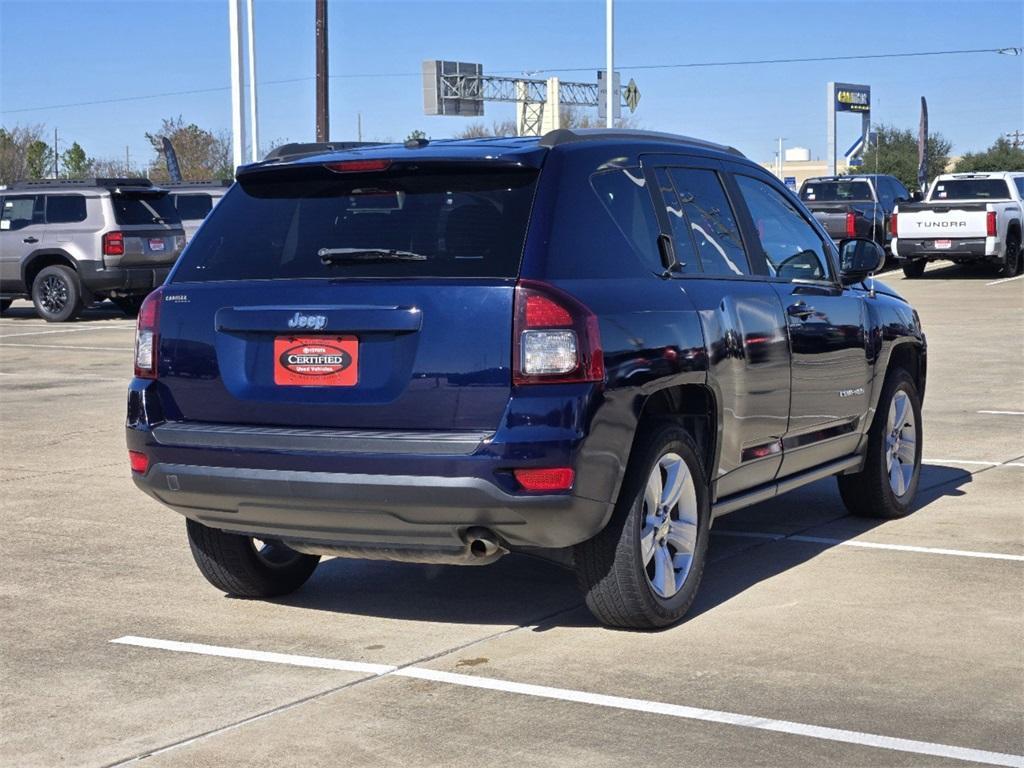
[[792, 245], [145, 208], [65, 209], [21, 211], [712, 221], [303, 224], [193, 206], [682, 239]]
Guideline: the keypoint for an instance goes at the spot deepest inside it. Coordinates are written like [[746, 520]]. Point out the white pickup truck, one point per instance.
[[967, 217]]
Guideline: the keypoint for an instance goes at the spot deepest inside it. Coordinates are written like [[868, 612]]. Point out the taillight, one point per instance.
[[556, 338], [990, 224], [113, 244], [147, 337], [851, 225], [547, 479], [892, 225], [139, 461]]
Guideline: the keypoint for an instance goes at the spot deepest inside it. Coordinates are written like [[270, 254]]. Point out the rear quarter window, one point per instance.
[[193, 206], [65, 209], [433, 224]]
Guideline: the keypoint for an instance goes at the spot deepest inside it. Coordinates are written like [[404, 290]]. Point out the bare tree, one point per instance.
[[15, 148], [202, 154], [480, 130], [573, 117]]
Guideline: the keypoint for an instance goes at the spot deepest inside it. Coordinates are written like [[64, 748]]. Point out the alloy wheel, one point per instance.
[[53, 294], [668, 537], [900, 444]]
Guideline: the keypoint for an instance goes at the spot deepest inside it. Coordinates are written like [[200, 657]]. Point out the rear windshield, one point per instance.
[[835, 191], [145, 208], [193, 206], [970, 189], [424, 224]]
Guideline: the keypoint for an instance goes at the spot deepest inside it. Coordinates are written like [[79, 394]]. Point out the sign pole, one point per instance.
[[253, 129], [237, 100], [322, 106]]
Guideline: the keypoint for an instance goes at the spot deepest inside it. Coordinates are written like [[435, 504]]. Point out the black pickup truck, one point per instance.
[[855, 206]]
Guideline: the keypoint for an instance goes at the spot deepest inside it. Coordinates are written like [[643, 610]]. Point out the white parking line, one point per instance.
[[1005, 280], [67, 346], [972, 463], [71, 330], [868, 545], [1004, 413], [69, 379], [600, 700]]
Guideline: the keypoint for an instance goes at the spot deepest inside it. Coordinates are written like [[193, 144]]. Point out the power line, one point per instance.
[[1011, 51]]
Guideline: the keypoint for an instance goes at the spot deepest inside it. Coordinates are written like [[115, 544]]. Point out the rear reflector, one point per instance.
[[892, 225], [139, 461], [851, 225], [358, 166], [990, 224], [552, 479]]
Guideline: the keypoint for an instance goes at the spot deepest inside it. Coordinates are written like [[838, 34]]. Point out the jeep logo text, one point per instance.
[[312, 322]]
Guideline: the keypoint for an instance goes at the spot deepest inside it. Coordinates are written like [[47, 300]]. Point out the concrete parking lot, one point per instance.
[[817, 638]]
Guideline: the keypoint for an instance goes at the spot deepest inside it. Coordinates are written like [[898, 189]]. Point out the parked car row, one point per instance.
[[66, 244]]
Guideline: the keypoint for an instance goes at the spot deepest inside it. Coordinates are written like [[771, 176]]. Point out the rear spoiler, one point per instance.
[[299, 149]]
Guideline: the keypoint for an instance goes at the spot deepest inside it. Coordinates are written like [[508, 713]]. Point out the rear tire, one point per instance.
[[1011, 267], [886, 486], [233, 563], [57, 294], [912, 269], [5, 304], [643, 570]]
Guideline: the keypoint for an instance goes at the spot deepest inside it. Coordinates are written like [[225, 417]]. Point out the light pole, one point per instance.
[[609, 50], [255, 155], [237, 102], [323, 110]]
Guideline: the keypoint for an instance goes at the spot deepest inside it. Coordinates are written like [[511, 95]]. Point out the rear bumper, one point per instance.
[[976, 248], [389, 512], [122, 280], [370, 490]]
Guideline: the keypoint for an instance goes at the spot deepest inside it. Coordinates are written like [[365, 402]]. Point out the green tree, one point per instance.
[[38, 160], [202, 154], [1001, 156], [895, 153], [14, 144], [76, 164]]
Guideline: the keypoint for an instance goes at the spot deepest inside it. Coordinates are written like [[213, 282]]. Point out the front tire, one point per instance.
[[643, 570], [57, 294], [886, 486], [245, 567], [912, 269]]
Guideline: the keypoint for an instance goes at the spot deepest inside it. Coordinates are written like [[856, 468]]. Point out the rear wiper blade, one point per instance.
[[358, 255]]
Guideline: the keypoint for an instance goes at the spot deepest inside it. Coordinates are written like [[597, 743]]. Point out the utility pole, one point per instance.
[[322, 106], [1017, 137], [359, 126], [127, 162], [237, 100], [609, 51], [255, 154], [781, 177], [55, 153]]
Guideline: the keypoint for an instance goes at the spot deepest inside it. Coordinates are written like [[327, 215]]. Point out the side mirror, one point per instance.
[[858, 258]]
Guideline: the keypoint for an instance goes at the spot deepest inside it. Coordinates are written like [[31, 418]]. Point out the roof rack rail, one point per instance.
[[569, 135], [91, 182], [316, 148], [199, 183]]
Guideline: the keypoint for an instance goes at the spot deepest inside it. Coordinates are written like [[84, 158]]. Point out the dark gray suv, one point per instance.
[[67, 243]]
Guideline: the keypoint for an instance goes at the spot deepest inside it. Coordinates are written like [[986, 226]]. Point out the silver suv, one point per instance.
[[68, 243], [195, 199]]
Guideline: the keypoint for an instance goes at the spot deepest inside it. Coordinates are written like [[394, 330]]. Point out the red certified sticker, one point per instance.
[[320, 361]]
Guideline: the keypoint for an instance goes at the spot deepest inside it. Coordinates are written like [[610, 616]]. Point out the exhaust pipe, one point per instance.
[[482, 544]]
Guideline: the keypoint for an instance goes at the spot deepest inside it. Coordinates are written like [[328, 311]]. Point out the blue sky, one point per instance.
[[54, 52]]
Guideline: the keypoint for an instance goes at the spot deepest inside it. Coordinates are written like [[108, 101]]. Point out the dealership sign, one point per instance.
[[852, 98]]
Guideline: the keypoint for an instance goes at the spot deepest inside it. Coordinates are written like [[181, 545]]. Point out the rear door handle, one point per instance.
[[30, 239], [800, 310]]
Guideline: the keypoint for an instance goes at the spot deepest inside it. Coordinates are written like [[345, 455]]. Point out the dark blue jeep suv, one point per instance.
[[586, 345]]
